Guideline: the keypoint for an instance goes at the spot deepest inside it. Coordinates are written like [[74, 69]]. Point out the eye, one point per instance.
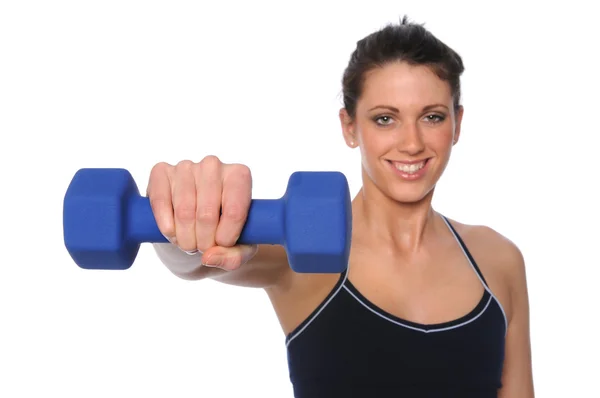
[[383, 120], [435, 118]]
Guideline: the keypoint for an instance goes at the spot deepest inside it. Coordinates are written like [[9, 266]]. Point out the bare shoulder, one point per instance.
[[485, 239], [499, 258]]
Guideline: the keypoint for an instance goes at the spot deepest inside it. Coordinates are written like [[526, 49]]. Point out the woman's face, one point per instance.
[[405, 126]]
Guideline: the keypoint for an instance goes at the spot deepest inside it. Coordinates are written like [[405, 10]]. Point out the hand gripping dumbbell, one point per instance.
[[105, 219]]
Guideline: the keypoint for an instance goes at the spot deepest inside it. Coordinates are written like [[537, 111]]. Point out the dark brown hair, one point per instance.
[[404, 41]]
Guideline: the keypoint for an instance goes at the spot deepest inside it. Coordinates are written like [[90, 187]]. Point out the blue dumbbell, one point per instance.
[[105, 219]]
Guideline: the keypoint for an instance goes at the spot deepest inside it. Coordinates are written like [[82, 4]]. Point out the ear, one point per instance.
[[348, 128], [458, 123]]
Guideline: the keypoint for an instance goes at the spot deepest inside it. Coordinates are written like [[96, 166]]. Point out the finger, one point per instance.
[[159, 195], [229, 258], [237, 192], [184, 204], [208, 201]]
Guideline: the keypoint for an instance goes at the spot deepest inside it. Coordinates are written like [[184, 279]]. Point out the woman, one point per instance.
[[428, 306]]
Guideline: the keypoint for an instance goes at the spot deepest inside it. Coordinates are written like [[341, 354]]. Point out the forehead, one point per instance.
[[402, 85]]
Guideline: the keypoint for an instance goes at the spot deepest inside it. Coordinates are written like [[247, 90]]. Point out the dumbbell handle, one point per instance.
[[264, 225]]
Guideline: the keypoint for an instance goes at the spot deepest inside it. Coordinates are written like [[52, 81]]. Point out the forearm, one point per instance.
[[267, 268], [183, 265]]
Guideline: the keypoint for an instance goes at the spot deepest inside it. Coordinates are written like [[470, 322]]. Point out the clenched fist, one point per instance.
[[202, 207]]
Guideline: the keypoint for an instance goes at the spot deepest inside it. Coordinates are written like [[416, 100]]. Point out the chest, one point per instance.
[[424, 289], [358, 345]]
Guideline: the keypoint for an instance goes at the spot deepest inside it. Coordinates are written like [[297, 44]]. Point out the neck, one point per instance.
[[381, 219]]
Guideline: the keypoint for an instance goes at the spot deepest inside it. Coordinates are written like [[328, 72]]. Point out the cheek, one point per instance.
[[372, 150], [376, 143], [440, 141]]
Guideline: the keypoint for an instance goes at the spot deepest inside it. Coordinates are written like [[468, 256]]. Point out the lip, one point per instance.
[[410, 177], [409, 161]]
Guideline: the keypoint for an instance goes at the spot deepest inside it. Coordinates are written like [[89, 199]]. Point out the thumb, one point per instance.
[[228, 258]]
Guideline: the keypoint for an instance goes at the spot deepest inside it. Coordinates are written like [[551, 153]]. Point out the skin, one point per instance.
[[403, 257]]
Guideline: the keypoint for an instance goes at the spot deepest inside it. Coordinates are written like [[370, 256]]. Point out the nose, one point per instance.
[[410, 139]]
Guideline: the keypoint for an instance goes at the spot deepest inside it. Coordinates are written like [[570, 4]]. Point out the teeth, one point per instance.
[[409, 168]]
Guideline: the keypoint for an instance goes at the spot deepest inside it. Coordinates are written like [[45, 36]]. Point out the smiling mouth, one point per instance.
[[409, 168]]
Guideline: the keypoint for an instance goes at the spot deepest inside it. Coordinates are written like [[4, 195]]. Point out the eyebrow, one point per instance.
[[394, 109]]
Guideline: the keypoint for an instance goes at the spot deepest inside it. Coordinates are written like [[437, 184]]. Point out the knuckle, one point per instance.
[[156, 202], [160, 167], [185, 213], [211, 162], [242, 170], [239, 173], [235, 212], [158, 172], [184, 164], [207, 214], [232, 262]]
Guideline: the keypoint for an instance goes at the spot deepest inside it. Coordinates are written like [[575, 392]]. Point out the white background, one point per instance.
[[131, 83]]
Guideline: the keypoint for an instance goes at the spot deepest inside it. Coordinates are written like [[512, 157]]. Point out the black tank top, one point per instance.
[[348, 347]]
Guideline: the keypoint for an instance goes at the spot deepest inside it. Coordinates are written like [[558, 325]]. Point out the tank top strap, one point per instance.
[[339, 285], [465, 250]]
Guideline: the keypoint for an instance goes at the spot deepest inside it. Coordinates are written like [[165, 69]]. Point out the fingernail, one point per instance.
[[213, 261], [172, 240], [191, 253]]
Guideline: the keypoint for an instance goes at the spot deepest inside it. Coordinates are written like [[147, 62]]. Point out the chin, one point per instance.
[[416, 195]]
